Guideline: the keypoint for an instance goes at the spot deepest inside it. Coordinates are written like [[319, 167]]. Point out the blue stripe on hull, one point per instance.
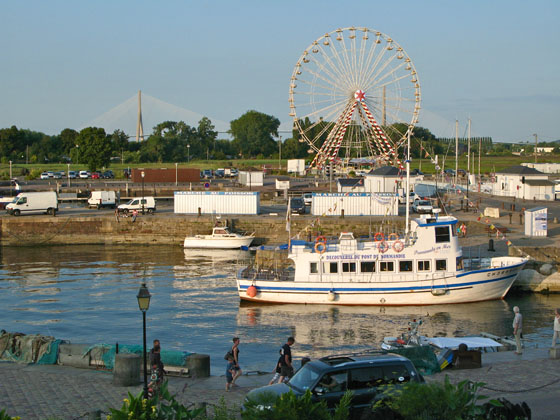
[[381, 289]]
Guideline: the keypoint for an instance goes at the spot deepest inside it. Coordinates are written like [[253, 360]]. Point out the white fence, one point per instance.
[[216, 202], [355, 204]]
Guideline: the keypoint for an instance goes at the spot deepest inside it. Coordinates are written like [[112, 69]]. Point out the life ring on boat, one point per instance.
[[320, 247], [379, 237], [383, 247], [393, 237], [320, 238], [398, 246], [251, 291]]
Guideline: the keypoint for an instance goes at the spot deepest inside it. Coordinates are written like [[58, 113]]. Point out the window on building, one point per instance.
[[441, 265], [442, 234], [386, 266], [460, 263], [424, 265], [405, 266], [348, 267], [367, 266]]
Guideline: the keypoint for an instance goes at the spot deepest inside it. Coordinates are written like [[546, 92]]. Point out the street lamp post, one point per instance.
[[176, 182], [68, 175], [142, 199], [280, 154], [188, 153], [144, 304]]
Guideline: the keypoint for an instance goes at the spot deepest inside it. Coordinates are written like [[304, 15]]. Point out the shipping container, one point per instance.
[[216, 202], [355, 204]]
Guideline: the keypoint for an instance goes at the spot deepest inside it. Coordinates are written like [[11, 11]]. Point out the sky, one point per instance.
[[66, 64]]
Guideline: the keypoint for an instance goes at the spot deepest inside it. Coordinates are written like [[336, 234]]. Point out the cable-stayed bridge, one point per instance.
[[154, 111]]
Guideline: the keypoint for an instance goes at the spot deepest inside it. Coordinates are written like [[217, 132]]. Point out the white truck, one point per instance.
[[99, 199], [34, 202], [146, 203]]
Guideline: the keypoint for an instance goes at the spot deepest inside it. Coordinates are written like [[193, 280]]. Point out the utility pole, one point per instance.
[[280, 154], [479, 148], [536, 146], [468, 156]]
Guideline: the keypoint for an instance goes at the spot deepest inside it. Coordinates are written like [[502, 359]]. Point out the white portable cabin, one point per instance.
[[354, 204], [216, 202], [251, 178], [296, 166]]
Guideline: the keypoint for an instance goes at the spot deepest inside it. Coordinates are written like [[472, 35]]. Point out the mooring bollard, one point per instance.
[[126, 371], [198, 365], [342, 214]]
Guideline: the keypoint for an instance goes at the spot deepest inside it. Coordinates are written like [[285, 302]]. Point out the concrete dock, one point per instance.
[[51, 391]]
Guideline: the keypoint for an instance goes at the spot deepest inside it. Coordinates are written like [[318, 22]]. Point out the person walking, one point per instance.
[[517, 328], [230, 372], [235, 355], [286, 367], [556, 327], [155, 359]]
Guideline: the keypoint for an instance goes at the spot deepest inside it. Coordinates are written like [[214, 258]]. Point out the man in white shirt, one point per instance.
[[556, 327], [517, 328]]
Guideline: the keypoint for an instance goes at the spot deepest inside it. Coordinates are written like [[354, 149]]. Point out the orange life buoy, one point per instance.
[[393, 237], [383, 247], [379, 237], [251, 291], [320, 238], [398, 246], [320, 247]]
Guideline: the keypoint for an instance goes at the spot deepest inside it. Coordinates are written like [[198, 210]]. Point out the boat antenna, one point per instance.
[[407, 193]]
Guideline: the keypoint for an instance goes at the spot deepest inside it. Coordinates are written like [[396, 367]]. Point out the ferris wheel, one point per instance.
[[354, 93]]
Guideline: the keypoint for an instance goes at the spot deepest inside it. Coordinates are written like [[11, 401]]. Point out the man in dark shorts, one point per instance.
[[286, 367]]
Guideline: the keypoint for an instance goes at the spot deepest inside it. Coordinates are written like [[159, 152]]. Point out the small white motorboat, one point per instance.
[[221, 238]]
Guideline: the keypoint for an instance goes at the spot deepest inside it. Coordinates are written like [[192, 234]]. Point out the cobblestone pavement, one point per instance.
[[48, 392]]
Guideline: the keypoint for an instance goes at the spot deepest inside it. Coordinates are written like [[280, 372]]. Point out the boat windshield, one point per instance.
[[305, 378]]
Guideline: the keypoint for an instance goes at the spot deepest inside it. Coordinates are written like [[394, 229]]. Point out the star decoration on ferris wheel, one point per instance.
[[360, 95]]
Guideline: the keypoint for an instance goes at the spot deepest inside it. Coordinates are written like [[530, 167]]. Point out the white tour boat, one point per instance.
[[423, 266], [220, 238]]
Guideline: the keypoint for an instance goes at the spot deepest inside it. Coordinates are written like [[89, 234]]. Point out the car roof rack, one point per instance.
[[349, 357]]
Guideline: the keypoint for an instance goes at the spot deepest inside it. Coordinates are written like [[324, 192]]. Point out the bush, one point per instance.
[[5, 416], [289, 406], [416, 401]]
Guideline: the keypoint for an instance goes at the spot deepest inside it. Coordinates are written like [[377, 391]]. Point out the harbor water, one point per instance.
[[87, 294]]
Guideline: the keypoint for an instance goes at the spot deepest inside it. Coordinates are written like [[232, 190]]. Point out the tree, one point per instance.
[[94, 147], [119, 141], [253, 134], [68, 140]]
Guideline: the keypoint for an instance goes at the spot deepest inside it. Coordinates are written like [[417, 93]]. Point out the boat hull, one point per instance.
[[218, 243], [470, 286]]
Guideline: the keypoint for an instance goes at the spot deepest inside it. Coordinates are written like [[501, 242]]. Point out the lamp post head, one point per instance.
[[143, 298], [142, 174]]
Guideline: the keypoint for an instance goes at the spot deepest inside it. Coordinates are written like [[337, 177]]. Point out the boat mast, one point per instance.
[[456, 150], [407, 193]]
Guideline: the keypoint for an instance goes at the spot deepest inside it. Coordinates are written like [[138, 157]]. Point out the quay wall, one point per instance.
[[168, 229]]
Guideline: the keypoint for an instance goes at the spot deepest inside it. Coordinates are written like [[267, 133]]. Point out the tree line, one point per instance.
[[254, 135]]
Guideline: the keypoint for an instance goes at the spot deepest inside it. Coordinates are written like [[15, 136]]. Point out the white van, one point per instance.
[[34, 202], [101, 199], [149, 204]]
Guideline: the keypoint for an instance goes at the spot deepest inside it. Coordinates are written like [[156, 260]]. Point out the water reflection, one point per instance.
[[87, 294]]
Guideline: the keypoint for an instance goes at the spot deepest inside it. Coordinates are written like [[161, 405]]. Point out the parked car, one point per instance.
[[206, 174], [72, 174], [44, 175], [330, 377], [146, 203], [416, 172], [450, 172], [422, 206], [108, 175], [51, 174], [57, 175], [220, 173], [308, 198], [95, 175], [99, 199], [297, 205], [411, 197], [34, 202], [84, 174], [461, 172]]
